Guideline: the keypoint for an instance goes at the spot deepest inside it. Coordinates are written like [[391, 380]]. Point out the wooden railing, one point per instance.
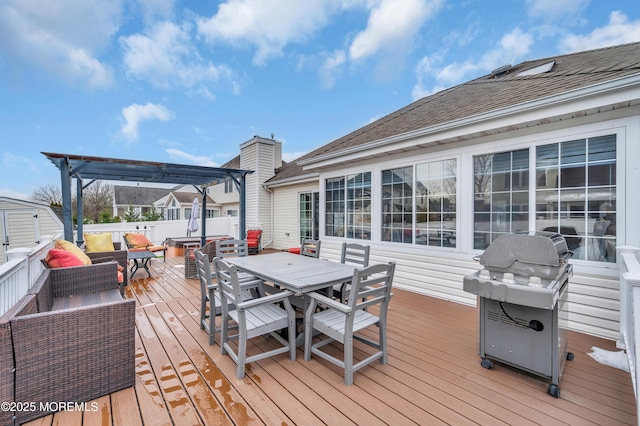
[[20, 272], [630, 311]]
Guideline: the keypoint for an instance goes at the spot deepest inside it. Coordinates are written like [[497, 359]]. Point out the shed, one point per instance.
[[23, 223]]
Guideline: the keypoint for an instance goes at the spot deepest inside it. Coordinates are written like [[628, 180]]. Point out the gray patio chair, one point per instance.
[[255, 317], [340, 322], [210, 303], [310, 247], [352, 254], [234, 248]]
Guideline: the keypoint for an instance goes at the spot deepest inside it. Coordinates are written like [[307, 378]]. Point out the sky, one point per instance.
[[189, 81]]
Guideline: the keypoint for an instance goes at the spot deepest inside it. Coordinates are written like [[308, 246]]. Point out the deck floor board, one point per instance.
[[433, 375]]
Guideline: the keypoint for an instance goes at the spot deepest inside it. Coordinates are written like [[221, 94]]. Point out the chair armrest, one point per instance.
[[331, 303], [119, 255], [263, 300], [84, 279], [84, 353]]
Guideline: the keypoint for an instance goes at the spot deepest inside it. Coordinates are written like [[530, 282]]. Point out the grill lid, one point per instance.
[[535, 253]]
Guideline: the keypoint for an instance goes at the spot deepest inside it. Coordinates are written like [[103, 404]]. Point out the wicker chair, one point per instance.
[[119, 255], [72, 338]]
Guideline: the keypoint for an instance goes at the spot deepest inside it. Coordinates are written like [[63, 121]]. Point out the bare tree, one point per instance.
[[48, 194], [96, 198]]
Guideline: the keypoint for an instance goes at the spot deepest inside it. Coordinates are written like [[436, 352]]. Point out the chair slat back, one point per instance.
[[372, 286], [310, 247], [356, 254], [228, 283], [204, 272], [231, 248]]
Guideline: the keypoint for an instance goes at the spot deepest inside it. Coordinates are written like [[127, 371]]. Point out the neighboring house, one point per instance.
[[177, 204], [552, 143], [140, 198], [24, 223]]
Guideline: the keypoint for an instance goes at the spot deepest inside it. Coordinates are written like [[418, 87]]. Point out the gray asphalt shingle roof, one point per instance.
[[485, 94]]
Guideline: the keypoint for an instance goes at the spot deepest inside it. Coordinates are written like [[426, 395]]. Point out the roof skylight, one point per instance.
[[537, 70]]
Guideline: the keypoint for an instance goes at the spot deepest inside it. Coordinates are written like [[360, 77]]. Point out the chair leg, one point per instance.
[[242, 355], [348, 362]]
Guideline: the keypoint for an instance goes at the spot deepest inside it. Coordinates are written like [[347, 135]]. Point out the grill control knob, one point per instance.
[[508, 278], [485, 274], [535, 282]]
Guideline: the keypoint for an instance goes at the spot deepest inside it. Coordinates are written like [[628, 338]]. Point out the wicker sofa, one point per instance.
[[70, 339]]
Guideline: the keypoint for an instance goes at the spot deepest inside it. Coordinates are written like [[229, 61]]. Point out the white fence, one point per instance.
[[159, 231], [20, 272], [630, 311]]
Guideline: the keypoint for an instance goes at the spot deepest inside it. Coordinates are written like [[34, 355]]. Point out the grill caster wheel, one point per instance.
[[570, 356], [486, 363], [554, 391]]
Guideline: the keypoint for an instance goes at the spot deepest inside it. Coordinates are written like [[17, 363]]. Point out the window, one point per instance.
[[435, 196], [419, 204], [213, 213], [359, 206], [232, 213], [501, 196], [348, 206], [228, 186], [334, 203], [397, 205], [576, 195], [309, 210]]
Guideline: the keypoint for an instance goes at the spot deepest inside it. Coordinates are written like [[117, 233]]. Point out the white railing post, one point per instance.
[[630, 311]]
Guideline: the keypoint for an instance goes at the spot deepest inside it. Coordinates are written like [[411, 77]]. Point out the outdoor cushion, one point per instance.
[[137, 240], [66, 245], [59, 258], [253, 234], [98, 242]]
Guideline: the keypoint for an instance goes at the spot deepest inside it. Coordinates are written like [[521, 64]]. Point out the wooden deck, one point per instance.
[[433, 375]]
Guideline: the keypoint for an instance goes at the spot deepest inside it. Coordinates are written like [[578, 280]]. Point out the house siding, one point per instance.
[[287, 220]]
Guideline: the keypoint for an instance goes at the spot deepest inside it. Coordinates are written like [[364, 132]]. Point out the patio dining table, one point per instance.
[[299, 274]]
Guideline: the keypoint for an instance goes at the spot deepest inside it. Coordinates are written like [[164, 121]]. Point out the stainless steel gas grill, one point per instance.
[[522, 292]]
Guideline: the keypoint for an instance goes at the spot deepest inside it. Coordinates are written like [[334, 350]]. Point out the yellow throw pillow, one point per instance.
[[98, 242], [66, 245]]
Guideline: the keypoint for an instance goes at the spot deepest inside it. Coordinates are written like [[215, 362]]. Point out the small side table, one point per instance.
[[140, 258]]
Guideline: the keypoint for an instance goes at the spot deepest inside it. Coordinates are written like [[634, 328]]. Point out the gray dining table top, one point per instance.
[[294, 272]]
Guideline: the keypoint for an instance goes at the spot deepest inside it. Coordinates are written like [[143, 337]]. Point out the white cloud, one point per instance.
[[198, 160], [60, 38], [331, 68], [268, 26], [554, 9], [392, 26], [134, 114], [618, 31], [166, 56], [291, 156], [156, 9]]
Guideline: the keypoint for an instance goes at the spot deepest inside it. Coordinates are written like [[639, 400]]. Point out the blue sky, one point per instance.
[[189, 81]]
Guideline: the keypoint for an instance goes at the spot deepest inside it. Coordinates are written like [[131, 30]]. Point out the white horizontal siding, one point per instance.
[[286, 220]]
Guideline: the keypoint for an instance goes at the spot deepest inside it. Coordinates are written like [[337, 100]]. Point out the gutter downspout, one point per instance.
[[273, 231]]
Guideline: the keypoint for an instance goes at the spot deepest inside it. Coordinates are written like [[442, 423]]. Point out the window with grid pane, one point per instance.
[[397, 205], [435, 195], [576, 195], [501, 195], [359, 206], [335, 206]]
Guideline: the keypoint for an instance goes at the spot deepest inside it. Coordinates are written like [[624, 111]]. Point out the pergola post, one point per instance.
[[65, 183], [79, 215]]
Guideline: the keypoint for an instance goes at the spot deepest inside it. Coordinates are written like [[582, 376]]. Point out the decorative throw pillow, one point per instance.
[[66, 245], [98, 242], [137, 240], [59, 258]]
